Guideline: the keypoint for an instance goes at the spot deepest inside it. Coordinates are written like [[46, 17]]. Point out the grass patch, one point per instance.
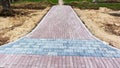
[[90, 5], [114, 6], [31, 4], [83, 4]]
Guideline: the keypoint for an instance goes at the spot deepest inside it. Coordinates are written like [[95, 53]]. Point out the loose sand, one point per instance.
[[12, 28], [103, 25]]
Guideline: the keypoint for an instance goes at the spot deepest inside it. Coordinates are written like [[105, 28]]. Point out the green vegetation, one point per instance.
[[83, 4], [115, 6], [30, 0], [89, 5]]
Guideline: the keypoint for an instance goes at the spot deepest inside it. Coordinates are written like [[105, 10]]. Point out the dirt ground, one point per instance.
[[14, 27], [102, 24]]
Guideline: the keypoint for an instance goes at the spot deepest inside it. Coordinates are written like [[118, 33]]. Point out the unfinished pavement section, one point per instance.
[[59, 41]]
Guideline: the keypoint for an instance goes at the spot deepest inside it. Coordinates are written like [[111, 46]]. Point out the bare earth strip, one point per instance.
[[12, 28], [102, 25]]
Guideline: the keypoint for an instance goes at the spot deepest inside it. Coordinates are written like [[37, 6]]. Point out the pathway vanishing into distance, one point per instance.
[[60, 40]]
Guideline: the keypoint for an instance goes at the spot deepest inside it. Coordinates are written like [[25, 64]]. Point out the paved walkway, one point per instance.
[[59, 41], [61, 22]]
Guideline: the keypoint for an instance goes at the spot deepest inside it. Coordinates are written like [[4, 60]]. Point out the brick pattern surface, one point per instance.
[[37, 61], [60, 47], [61, 22]]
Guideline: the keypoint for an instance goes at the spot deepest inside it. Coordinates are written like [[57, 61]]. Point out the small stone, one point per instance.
[[117, 24], [4, 39]]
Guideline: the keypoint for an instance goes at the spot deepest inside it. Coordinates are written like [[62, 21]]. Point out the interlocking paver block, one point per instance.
[[67, 48]]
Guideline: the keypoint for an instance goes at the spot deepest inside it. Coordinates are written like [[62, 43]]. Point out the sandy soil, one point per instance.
[[103, 25], [12, 28]]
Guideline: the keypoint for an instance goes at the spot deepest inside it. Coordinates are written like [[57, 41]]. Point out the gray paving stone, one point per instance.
[[65, 47]]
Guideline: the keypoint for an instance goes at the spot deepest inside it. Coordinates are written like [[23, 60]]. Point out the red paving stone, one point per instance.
[[61, 22], [37, 61]]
